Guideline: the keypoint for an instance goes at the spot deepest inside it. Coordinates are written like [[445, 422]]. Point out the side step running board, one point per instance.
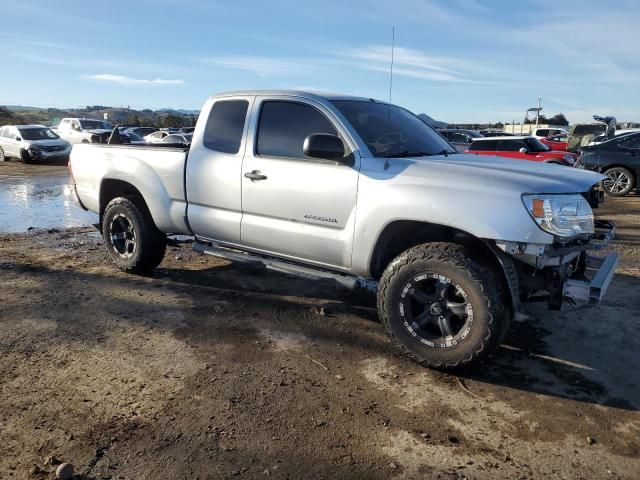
[[282, 266]]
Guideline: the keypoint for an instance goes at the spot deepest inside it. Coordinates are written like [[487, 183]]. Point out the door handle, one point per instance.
[[255, 175]]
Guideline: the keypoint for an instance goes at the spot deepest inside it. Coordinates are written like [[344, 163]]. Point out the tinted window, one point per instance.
[[95, 124], [535, 145], [457, 137], [391, 130], [632, 142], [488, 145], [544, 132], [510, 145], [223, 132], [284, 126]]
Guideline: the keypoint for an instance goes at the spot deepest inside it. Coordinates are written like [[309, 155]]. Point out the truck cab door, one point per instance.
[[295, 206], [214, 170]]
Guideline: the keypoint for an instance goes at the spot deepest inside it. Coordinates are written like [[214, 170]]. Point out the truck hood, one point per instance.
[[53, 142], [98, 131], [489, 173]]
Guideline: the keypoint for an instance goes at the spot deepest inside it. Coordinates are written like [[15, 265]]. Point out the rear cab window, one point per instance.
[[225, 126]]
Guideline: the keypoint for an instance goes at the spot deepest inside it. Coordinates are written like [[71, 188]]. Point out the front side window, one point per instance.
[[391, 131], [633, 142], [283, 127], [535, 145], [225, 125]]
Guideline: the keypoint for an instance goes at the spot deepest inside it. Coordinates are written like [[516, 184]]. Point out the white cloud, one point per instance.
[[124, 80], [263, 66], [414, 63]]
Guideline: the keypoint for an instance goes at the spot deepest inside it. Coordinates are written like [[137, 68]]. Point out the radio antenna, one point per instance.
[[393, 45]]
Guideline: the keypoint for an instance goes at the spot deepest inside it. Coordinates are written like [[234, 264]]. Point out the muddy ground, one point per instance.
[[209, 370]]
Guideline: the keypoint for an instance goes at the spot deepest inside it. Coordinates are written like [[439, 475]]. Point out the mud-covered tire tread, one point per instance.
[[455, 255], [152, 241]]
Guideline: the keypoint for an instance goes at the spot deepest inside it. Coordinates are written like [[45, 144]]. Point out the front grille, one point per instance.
[[53, 148]]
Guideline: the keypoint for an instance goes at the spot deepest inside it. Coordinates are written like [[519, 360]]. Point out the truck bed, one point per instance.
[[157, 171]]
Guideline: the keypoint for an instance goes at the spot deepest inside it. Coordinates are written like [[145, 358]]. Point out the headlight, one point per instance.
[[560, 215], [570, 159], [33, 148]]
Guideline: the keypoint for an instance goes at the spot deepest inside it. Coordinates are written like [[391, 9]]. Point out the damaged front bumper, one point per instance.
[[592, 290], [560, 274]]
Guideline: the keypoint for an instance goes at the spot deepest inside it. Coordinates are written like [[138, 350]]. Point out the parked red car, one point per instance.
[[556, 142], [522, 148]]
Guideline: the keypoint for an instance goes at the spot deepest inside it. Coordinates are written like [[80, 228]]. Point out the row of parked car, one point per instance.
[[32, 143], [615, 154]]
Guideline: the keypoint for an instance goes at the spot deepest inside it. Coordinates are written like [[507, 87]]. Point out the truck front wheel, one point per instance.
[[440, 307], [133, 242]]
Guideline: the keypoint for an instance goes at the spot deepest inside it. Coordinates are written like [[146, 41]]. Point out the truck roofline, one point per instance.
[[309, 94]]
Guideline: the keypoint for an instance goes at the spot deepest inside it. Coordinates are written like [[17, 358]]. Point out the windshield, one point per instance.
[[37, 134], [392, 131], [95, 124], [536, 145], [133, 137]]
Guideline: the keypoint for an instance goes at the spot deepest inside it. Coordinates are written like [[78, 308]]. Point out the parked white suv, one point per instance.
[[548, 132], [84, 130], [32, 143], [156, 137]]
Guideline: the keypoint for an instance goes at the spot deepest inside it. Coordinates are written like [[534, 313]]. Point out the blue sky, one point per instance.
[[456, 60]]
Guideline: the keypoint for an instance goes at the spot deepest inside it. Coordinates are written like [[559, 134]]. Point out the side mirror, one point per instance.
[[18, 139], [323, 145], [523, 150]]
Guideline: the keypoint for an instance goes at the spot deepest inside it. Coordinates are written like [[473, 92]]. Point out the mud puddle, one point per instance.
[[28, 202]]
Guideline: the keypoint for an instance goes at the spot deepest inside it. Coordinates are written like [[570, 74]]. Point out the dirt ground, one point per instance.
[[210, 370]]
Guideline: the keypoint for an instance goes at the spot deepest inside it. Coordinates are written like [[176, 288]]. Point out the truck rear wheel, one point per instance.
[[133, 242], [440, 307]]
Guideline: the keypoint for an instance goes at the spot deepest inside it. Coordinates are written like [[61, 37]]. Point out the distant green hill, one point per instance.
[[22, 115]]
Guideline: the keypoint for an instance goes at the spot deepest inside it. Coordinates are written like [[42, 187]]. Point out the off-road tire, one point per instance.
[[490, 320], [626, 191], [150, 243]]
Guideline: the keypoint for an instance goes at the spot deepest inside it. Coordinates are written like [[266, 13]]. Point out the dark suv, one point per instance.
[[459, 138], [618, 159]]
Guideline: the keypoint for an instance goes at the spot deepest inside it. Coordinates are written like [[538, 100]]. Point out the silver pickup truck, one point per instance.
[[361, 192]]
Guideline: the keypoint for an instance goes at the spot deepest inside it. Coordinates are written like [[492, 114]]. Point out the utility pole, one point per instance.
[[538, 113]]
